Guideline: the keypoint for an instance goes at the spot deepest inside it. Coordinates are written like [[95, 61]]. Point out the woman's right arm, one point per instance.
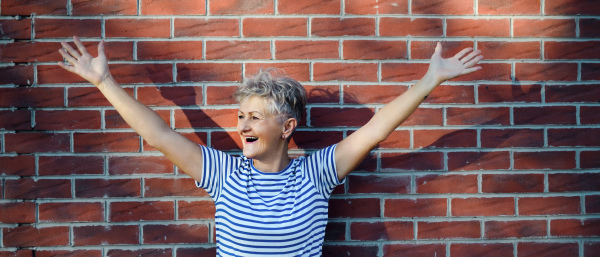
[[183, 152]]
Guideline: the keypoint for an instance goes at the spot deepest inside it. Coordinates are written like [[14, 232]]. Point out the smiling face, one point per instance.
[[261, 132]]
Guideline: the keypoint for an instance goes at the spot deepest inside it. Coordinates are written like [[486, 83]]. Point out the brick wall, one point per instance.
[[503, 162]]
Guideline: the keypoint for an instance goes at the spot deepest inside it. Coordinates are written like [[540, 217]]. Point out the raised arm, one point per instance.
[[183, 152], [353, 149]]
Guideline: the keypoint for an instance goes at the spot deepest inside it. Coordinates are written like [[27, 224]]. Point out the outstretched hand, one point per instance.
[[460, 64], [93, 69]]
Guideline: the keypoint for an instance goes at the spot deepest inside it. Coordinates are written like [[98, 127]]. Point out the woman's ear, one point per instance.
[[288, 127]]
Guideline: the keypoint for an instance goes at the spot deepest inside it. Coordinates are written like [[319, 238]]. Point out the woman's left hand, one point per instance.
[[460, 64]]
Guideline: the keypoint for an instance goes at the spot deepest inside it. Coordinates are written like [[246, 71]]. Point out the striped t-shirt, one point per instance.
[[269, 214]]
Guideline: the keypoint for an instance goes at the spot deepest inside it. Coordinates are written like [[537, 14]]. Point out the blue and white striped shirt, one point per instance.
[[269, 214]]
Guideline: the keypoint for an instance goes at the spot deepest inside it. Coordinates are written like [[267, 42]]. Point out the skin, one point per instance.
[[269, 152]]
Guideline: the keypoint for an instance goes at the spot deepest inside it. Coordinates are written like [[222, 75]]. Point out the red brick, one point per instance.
[[173, 7], [309, 7], [510, 50], [509, 138], [138, 28], [418, 207], [546, 71], [106, 235], [412, 161], [315, 139], [402, 27], [589, 159], [399, 139], [227, 7], [224, 141], [88, 96], [590, 71], [452, 94], [489, 71], [588, 28], [498, 7], [335, 231], [452, 7], [374, 49], [20, 165], [359, 94], [175, 234], [197, 252], [195, 210], [39, 7], [21, 75], [170, 96], [574, 137], [573, 7], [425, 49], [490, 249], [107, 7], [34, 189], [102, 188], [15, 29], [274, 27], [478, 160], [540, 28], [478, 116], [373, 184], [15, 120], [572, 93], [445, 138], [66, 253], [592, 204], [369, 164], [67, 120], [71, 212], [573, 182], [336, 27], [189, 27], [534, 249], [575, 227], [345, 72], [141, 211], [28, 236], [425, 117], [572, 50], [297, 71], [169, 50], [26, 51], [515, 229], [402, 72], [122, 165], [18, 253], [446, 184], [36, 142], [498, 206], [220, 118], [478, 27], [142, 73], [141, 252], [354, 208], [449, 230], [105, 142], [220, 95], [70, 165], [509, 93], [591, 249], [17, 212], [160, 187], [350, 250], [376, 7], [235, 50], [302, 49], [547, 115], [549, 206], [512, 183], [112, 119], [195, 72], [388, 230], [55, 28], [338, 117], [414, 250]]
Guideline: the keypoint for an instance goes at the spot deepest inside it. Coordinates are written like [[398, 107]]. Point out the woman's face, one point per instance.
[[260, 131]]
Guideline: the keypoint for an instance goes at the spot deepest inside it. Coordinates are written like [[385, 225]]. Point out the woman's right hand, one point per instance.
[[93, 69]]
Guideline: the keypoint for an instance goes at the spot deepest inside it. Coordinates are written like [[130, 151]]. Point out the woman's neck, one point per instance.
[[272, 165]]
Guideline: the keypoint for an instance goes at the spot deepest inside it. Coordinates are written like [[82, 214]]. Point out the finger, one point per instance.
[[470, 56], [66, 67], [67, 57], [438, 49], [101, 48], [462, 53], [470, 70], [70, 50], [80, 45], [474, 61]]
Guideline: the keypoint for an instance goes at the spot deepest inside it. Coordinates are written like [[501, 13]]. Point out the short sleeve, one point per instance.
[[321, 170], [216, 167]]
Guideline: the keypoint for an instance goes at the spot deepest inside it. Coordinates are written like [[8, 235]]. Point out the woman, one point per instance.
[[267, 203]]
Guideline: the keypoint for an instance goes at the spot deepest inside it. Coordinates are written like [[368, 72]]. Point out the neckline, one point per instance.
[[271, 173]]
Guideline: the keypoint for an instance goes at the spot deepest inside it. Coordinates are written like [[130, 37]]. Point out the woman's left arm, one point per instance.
[[351, 151]]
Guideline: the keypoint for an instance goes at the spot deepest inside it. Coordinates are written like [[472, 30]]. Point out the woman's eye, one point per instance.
[[240, 117], [254, 118]]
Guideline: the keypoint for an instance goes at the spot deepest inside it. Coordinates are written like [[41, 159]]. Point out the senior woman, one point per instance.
[[266, 202]]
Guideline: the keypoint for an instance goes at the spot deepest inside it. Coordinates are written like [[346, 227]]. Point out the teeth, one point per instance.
[[251, 139]]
